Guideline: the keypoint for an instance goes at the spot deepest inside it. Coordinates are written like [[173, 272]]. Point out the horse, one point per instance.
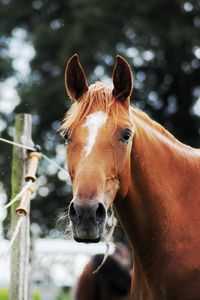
[[118, 157], [103, 285]]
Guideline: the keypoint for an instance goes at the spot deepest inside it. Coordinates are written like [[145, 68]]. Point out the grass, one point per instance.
[[65, 295], [4, 295]]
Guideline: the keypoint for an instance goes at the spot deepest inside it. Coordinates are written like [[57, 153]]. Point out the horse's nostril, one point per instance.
[[100, 213], [73, 215], [87, 214]]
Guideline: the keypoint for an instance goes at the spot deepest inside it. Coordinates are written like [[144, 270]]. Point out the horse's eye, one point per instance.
[[67, 138], [125, 135]]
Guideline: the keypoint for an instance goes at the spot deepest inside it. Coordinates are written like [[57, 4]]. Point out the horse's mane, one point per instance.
[[153, 124], [158, 131]]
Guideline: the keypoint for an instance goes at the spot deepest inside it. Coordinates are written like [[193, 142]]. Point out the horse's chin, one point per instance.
[[87, 240]]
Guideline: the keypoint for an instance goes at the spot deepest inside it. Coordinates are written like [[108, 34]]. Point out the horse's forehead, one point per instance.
[[93, 123], [95, 120]]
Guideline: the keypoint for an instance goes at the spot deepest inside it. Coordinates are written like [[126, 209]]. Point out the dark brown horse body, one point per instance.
[[103, 285], [118, 155]]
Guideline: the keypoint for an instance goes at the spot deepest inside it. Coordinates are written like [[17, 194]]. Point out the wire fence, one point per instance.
[[23, 191]]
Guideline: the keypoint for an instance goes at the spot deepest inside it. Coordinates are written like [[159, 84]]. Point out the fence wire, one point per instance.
[[42, 154], [23, 191]]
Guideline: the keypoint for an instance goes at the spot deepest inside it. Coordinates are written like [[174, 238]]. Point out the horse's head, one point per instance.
[[98, 133]]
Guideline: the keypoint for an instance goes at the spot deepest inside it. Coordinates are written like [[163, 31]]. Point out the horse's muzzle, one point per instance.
[[87, 221]]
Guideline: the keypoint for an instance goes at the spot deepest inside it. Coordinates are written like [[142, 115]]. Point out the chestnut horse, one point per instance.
[[119, 156]]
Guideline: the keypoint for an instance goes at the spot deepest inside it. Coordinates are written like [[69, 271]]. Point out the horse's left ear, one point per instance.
[[75, 79], [122, 79]]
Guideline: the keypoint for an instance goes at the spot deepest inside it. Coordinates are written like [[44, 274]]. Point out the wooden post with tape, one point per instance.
[[23, 208], [19, 281]]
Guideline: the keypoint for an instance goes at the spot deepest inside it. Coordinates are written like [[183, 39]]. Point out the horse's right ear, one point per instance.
[[75, 79], [122, 79]]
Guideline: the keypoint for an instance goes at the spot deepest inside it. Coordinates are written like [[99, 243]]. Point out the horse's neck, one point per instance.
[[160, 194], [161, 164], [162, 206]]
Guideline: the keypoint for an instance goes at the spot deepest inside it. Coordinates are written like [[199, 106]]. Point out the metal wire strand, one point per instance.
[[42, 154]]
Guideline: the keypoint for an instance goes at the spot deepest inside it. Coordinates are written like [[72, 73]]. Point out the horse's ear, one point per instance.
[[122, 79], [75, 79]]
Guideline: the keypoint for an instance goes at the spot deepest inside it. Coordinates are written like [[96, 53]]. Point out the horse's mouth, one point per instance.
[[87, 233]]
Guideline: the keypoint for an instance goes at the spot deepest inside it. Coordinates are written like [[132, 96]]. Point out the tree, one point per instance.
[[160, 39]]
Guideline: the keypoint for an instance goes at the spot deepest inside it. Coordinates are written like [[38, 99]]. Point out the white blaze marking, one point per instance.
[[93, 123]]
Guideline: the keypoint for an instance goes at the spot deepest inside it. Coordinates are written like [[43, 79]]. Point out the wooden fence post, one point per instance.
[[20, 250]]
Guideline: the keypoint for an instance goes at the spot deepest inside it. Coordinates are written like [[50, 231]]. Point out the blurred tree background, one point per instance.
[[160, 39]]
